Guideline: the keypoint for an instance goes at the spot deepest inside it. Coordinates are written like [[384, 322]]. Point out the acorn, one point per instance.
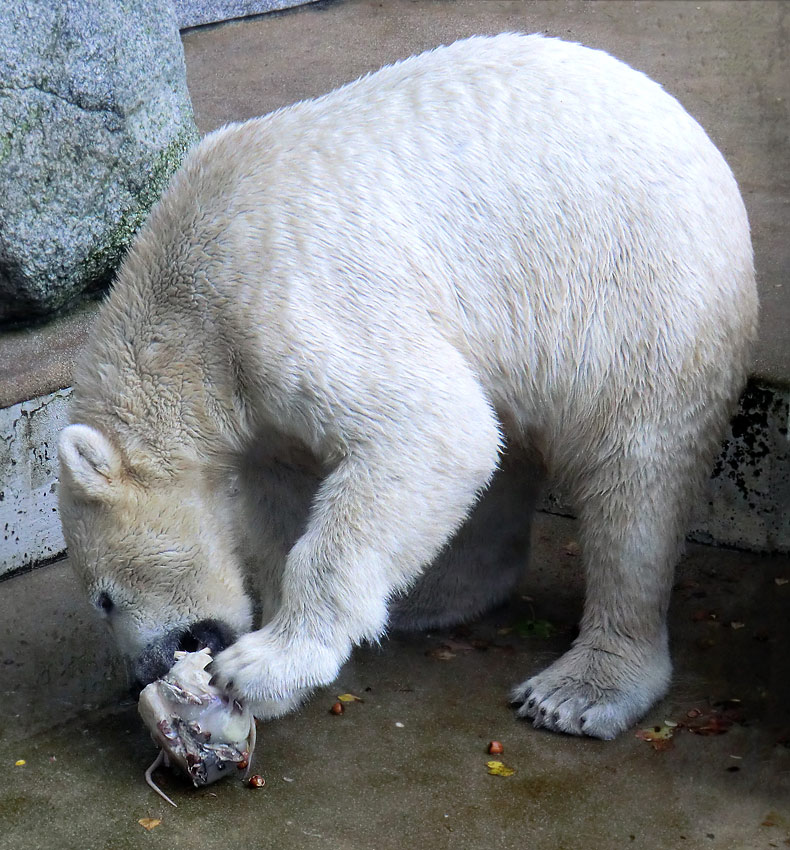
[[495, 748], [337, 708], [256, 781]]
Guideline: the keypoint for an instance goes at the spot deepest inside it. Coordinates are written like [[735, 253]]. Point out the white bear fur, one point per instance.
[[338, 316]]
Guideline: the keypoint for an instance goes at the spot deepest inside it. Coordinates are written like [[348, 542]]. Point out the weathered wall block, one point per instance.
[[29, 525]]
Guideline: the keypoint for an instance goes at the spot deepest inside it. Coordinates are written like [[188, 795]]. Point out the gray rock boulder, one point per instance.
[[94, 118]]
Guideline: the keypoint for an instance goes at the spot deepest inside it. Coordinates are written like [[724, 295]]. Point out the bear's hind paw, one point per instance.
[[589, 692]]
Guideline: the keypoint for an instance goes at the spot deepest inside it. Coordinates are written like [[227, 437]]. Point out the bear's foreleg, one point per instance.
[[381, 515]]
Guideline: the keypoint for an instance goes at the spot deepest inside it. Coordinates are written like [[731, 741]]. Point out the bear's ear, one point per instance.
[[90, 461]]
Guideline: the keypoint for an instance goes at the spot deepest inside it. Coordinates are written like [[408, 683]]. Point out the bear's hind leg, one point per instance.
[[485, 560], [633, 513]]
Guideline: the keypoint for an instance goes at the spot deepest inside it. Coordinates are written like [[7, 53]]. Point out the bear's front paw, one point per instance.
[[595, 692], [272, 673]]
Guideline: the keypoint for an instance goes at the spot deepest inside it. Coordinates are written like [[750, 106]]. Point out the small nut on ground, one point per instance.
[[495, 748], [337, 708], [256, 781], [243, 764]]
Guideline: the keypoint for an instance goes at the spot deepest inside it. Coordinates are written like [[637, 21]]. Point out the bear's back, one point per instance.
[[537, 199]]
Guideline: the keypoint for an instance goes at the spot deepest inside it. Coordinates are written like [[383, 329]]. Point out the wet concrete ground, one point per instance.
[[407, 767]]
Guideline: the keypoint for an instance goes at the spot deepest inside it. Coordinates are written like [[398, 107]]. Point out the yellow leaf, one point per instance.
[[498, 768], [349, 698], [659, 737], [656, 733], [149, 823], [20, 763]]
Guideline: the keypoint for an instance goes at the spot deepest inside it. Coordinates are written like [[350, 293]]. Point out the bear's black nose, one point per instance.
[[211, 633], [158, 657]]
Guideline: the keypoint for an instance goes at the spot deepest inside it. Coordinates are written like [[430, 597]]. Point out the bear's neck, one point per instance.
[[170, 396]]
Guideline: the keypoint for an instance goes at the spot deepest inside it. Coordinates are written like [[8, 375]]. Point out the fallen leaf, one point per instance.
[[715, 721], [498, 768], [775, 819], [149, 823], [349, 698], [571, 548], [780, 581], [659, 737], [703, 614], [441, 653], [20, 763], [534, 628], [459, 645], [736, 624]]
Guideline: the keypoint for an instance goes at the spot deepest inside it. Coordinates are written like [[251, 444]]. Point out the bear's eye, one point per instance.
[[104, 603]]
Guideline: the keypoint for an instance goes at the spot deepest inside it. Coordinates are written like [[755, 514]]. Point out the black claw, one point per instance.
[[531, 703], [582, 721], [543, 712], [556, 716], [212, 682]]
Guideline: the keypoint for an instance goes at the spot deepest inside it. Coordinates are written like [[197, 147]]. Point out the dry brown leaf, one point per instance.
[[442, 653], [459, 645], [714, 721], [149, 823]]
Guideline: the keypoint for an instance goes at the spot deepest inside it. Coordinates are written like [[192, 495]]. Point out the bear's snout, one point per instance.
[[158, 657]]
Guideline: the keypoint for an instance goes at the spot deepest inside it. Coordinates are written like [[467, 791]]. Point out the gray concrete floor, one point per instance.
[[361, 781]]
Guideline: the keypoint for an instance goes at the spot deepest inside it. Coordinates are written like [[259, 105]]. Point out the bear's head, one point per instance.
[[151, 551]]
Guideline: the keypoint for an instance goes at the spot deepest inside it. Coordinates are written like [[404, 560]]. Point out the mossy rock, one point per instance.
[[95, 117]]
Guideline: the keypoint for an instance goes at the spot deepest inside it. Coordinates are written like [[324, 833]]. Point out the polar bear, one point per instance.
[[342, 318]]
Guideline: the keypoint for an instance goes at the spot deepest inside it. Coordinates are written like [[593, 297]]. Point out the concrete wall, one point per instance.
[[29, 525]]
